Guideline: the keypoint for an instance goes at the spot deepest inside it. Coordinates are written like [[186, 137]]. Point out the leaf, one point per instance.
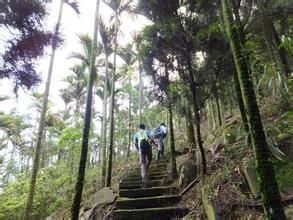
[[74, 6]]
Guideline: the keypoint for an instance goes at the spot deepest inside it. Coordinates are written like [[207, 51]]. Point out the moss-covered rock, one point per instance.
[[289, 212], [250, 175], [209, 139], [230, 134], [188, 173]]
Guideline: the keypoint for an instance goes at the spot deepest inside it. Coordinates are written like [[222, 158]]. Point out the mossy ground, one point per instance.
[[225, 182]]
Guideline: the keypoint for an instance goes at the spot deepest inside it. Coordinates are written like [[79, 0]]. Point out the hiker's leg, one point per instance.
[[158, 151], [161, 144], [149, 156], [143, 166]]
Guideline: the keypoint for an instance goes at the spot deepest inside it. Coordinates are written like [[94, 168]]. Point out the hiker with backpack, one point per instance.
[[159, 134], [143, 141]]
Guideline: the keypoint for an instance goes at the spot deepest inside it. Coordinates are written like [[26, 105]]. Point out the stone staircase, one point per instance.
[[157, 201]]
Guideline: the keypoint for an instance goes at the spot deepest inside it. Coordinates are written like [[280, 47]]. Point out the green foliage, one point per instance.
[[213, 28], [268, 78], [230, 134], [280, 137], [287, 43], [69, 137], [284, 174]]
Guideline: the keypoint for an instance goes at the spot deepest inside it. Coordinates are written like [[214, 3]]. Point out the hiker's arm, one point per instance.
[[136, 145]]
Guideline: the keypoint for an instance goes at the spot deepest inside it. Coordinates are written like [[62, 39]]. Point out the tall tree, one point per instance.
[[266, 176], [106, 34], [36, 161], [118, 6], [129, 57], [87, 122]]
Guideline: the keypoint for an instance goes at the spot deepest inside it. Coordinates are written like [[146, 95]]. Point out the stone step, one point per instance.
[[165, 213], [147, 192], [151, 169], [151, 173], [147, 202], [154, 165], [138, 184], [138, 178]]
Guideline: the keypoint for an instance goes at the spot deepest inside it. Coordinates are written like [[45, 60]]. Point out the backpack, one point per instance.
[[143, 140], [157, 133]]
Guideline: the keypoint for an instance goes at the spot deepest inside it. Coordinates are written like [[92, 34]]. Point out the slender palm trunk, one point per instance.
[[36, 161], [140, 92], [266, 176], [104, 124], [129, 120], [172, 144], [87, 123], [112, 102], [219, 110], [213, 114]]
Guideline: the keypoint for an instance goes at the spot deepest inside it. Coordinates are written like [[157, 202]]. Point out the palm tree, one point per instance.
[[87, 122], [266, 176], [36, 161], [129, 57], [106, 34], [118, 6], [138, 40], [77, 83]]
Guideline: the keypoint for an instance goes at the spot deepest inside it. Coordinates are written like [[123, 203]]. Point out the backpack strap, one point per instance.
[[142, 134]]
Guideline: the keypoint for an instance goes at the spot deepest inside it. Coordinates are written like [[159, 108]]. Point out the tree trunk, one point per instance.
[[189, 127], [36, 160], [230, 103], [281, 52], [266, 176], [270, 35], [241, 107], [87, 123], [112, 102], [218, 110], [213, 114], [129, 119], [104, 125], [172, 144], [140, 91], [196, 113]]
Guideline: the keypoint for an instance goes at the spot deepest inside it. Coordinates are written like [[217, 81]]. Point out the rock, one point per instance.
[[209, 207], [94, 208], [209, 139], [250, 175], [104, 196], [188, 173]]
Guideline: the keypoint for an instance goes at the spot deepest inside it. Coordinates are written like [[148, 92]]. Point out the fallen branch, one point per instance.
[[189, 186]]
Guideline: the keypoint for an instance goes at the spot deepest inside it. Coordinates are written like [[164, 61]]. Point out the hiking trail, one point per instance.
[[156, 201]]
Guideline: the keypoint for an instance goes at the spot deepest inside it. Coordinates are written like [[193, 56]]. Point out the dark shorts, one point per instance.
[[145, 155]]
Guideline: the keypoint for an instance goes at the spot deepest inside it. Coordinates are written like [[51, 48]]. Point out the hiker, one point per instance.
[[159, 134], [142, 141]]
